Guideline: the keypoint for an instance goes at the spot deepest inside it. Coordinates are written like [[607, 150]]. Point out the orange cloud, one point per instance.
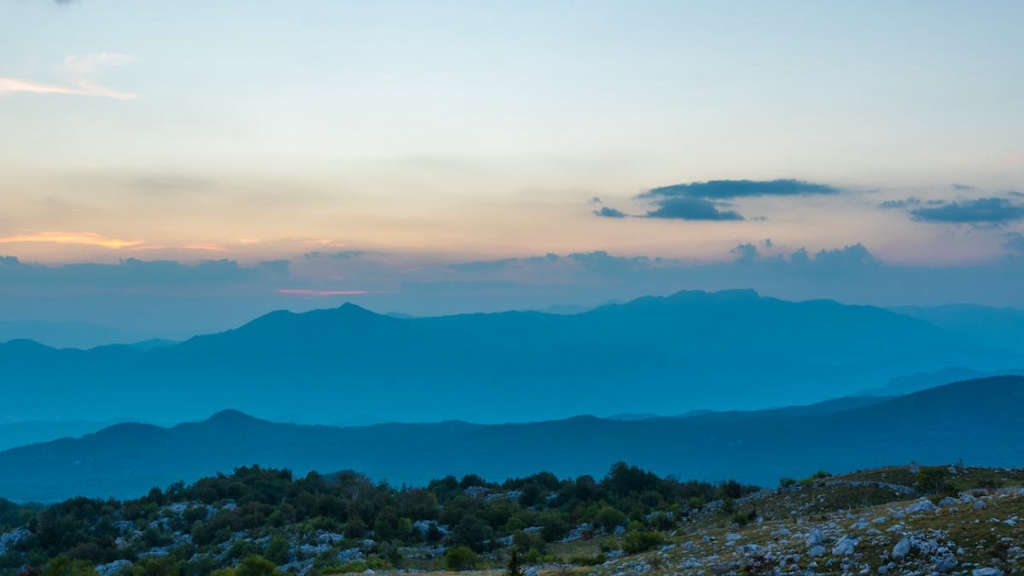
[[84, 238], [81, 69], [205, 247]]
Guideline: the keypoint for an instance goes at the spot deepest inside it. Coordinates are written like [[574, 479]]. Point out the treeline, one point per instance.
[[269, 514]]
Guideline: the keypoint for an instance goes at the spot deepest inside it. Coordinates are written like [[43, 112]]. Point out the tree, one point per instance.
[[933, 481], [471, 531], [355, 528], [531, 495], [732, 489], [470, 480], [460, 558], [513, 565]]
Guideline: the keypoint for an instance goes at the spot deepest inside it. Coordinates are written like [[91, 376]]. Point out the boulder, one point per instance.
[[901, 549], [844, 547], [922, 505]]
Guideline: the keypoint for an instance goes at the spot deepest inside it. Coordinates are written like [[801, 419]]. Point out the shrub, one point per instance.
[[460, 558], [609, 517], [277, 550], [163, 566], [933, 481], [64, 566], [744, 518], [256, 566], [732, 489], [636, 542]]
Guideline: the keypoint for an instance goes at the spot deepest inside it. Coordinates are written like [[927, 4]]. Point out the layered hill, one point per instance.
[[978, 421], [691, 350]]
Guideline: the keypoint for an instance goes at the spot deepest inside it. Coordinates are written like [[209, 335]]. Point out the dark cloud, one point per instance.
[[602, 259], [707, 200], [962, 187], [745, 251], [855, 256], [684, 208], [607, 212], [722, 189], [899, 204], [993, 211]]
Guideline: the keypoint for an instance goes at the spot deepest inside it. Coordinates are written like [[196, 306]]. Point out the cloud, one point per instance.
[[132, 274], [484, 265], [852, 257], [339, 255], [962, 187], [82, 238], [683, 208], [705, 200], [899, 204], [175, 300], [81, 70], [993, 211], [323, 293], [608, 212], [745, 252], [205, 247], [724, 189], [1015, 243]]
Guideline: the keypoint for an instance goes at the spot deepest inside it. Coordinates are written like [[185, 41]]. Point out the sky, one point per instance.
[[174, 167]]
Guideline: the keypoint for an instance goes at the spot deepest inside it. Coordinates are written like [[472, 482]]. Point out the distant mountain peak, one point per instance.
[[231, 416], [733, 294]]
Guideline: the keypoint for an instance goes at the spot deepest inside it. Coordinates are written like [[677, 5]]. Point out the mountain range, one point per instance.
[[664, 355], [978, 421]]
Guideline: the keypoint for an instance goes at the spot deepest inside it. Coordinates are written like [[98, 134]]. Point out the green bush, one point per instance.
[[256, 566], [608, 518], [460, 558], [636, 542], [64, 566], [933, 481], [162, 566], [277, 550]]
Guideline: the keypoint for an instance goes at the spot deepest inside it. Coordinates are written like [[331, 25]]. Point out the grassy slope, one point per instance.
[[713, 543]]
